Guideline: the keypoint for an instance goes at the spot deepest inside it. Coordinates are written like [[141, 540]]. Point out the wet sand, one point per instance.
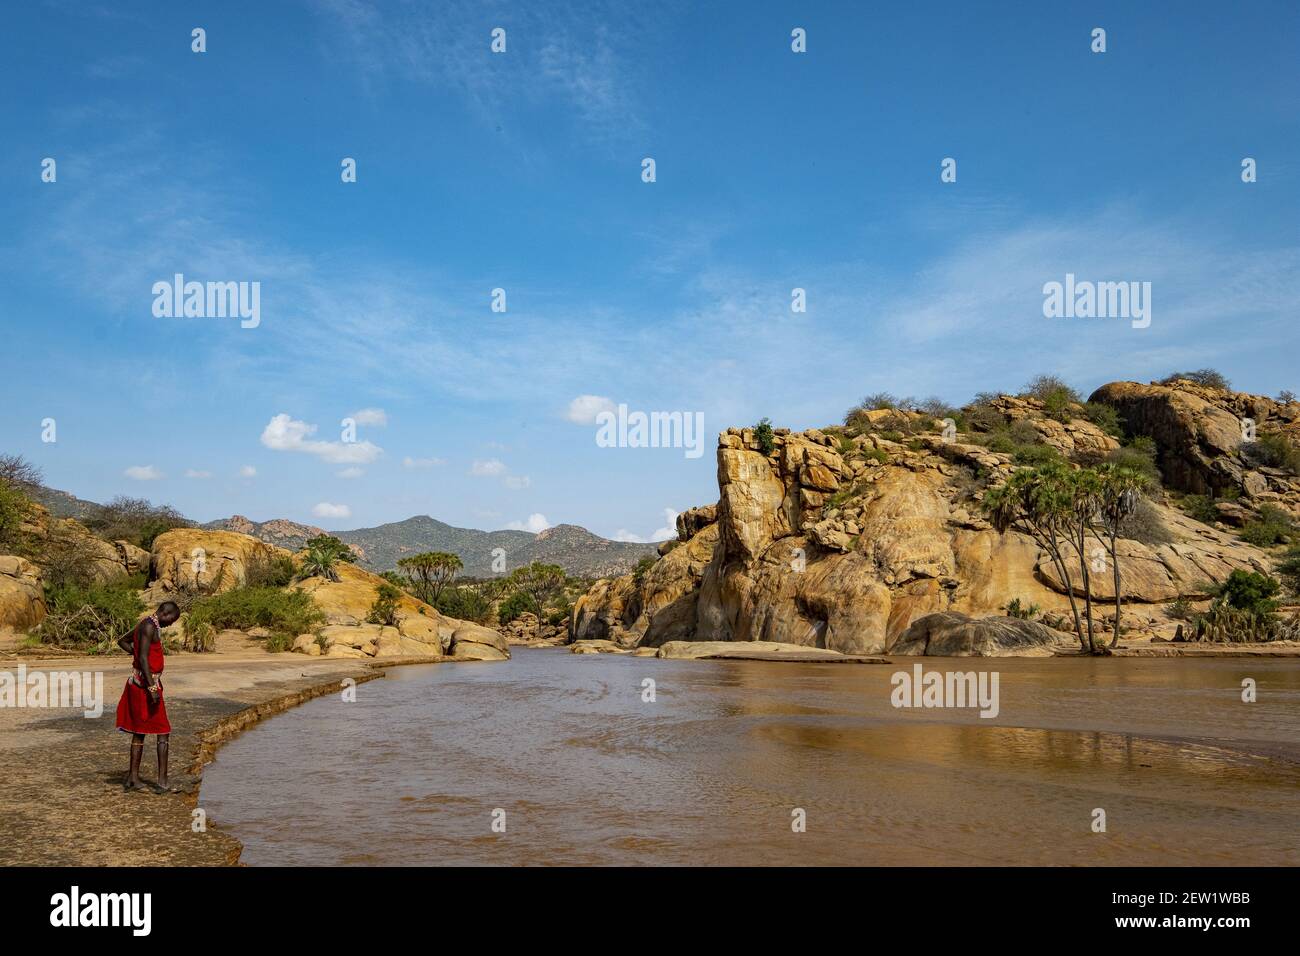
[[61, 797], [587, 772]]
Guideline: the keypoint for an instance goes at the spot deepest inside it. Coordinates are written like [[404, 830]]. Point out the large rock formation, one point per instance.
[[1199, 433], [195, 560], [842, 541], [22, 598], [951, 634]]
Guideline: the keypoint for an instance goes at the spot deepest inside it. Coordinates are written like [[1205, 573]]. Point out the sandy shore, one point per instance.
[[61, 799]]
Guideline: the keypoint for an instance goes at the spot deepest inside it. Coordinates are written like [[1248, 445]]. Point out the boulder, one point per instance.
[[22, 596], [192, 559], [477, 643], [951, 634]]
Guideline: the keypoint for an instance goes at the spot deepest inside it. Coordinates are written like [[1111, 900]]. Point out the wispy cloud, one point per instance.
[[143, 473], [283, 433]]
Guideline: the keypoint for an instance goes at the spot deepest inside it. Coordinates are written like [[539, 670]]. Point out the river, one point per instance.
[[567, 755]]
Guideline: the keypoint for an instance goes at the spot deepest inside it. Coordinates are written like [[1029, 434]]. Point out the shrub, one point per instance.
[[1050, 387], [17, 471], [1273, 450], [269, 570], [1286, 397], [1271, 527], [763, 435], [1104, 417], [1289, 569], [1146, 526], [1180, 610], [642, 566], [285, 613], [322, 553], [513, 606], [465, 603], [876, 401], [937, 408], [982, 417], [1205, 376], [1022, 612], [15, 508], [1140, 456], [136, 520], [1200, 507], [1250, 591], [90, 617], [1035, 455], [384, 609]]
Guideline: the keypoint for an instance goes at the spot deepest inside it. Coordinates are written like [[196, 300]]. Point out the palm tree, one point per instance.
[[1122, 489], [1086, 488], [1039, 502], [430, 572]]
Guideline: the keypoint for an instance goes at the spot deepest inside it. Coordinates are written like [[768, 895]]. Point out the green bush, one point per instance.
[[285, 613], [1289, 569], [268, 570], [322, 553], [465, 604], [642, 566], [1200, 507], [90, 617], [136, 520], [1140, 456], [1273, 450], [15, 508], [1272, 526], [1180, 610], [1035, 455], [513, 606], [384, 609], [1205, 376], [1022, 612], [1250, 591], [764, 436], [1104, 417]]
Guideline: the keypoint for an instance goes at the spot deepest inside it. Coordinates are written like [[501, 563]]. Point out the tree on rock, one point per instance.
[[430, 572], [540, 583]]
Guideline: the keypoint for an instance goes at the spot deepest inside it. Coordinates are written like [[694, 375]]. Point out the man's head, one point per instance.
[[168, 613]]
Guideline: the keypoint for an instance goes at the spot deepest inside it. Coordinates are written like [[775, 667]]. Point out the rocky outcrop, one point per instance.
[[22, 597], [952, 634], [1199, 433], [199, 561], [1072, 437], [842, 540], [66, 545]]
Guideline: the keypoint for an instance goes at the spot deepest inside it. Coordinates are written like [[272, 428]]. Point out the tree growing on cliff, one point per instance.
[[430, 572], [1039, 502], [322, 555], [1121, 494]]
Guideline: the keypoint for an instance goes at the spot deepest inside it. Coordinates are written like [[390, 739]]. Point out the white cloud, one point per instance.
[[351, 472], [535, 523], [283, 433], [143, 473], [327, 510], [668, 531], [409, 462], [488, 468], [247, 471], [194, 473], [584, 409], [517, 482], [370, 416]]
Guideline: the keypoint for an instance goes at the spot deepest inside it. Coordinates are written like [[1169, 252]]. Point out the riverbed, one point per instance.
[[553, 758]]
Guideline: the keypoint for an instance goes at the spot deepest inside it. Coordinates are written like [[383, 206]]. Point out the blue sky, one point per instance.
[[522, 171]]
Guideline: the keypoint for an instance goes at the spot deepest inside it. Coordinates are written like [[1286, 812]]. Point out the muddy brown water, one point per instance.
[[713, 771]]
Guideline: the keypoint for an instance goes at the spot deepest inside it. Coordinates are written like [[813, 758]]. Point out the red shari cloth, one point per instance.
[[136, 713]]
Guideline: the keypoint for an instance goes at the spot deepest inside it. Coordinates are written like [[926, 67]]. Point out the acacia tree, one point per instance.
[[539, 583], [1039, 502], [430, 572], [1121, 491]]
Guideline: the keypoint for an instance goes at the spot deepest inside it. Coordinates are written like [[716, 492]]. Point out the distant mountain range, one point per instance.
[[575, 549]]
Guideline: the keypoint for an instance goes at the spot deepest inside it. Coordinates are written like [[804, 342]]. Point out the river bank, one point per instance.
[[62, 803]]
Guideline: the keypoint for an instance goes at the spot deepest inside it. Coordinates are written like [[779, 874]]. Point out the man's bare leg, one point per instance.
[[161, 786], [133, 773]]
